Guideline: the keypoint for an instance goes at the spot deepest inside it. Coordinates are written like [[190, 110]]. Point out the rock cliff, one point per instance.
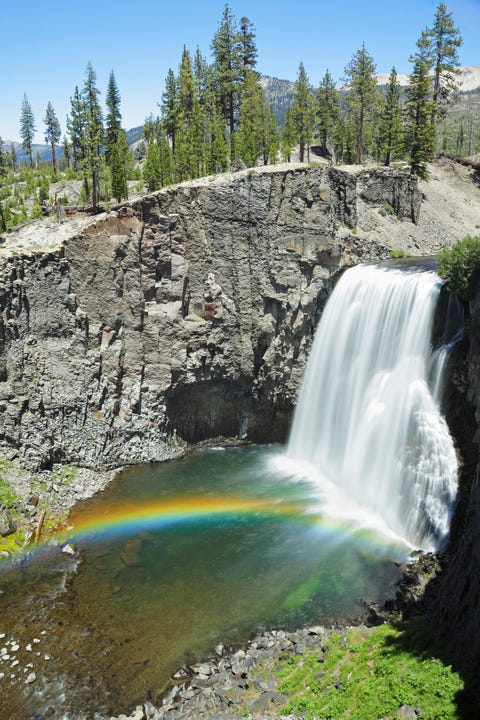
[[185, 315]]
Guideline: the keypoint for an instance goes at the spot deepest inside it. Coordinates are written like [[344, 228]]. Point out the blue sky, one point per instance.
[[45, 46]]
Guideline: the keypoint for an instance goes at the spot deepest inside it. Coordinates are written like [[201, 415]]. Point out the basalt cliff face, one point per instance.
[[182, 316]]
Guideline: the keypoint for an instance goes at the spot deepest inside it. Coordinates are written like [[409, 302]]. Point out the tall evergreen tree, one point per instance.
[[249, 139], [3, 159], [227, 63], [169, 107], [288, 138], [420, 129], [93, 133], [76, 123], [165, 156], [303, 112], [119, 162], [152, 171], [247, 47], [13, 156], [217, 146], [52, 133], [27, 128], [189, 152], [113, 120], [66, 151], [270, 134], [390, 130], [445, 40], [360, 76], [328, 111]]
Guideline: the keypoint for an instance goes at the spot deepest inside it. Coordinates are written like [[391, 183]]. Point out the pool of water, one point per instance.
[[175, 558]]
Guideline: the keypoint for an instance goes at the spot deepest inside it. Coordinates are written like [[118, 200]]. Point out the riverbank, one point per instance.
[[35, 505], [391, 671]]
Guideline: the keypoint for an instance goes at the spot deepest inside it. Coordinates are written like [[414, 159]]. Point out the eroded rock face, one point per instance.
[[457, 590], [187, 315]]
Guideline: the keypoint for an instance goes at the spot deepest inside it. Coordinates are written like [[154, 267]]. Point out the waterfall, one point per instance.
[[368, 417]]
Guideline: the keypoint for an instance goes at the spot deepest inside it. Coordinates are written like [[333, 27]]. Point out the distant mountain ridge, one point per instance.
[[468, 79], [279, 93], [45, 152]]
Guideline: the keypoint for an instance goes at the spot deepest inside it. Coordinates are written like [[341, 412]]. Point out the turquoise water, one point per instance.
[[147, 598]]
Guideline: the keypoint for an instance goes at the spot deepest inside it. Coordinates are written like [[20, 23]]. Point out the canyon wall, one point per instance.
[[185, 315]]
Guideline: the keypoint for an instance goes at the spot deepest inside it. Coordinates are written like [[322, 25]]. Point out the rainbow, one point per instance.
[[133, 517], [128, 518]]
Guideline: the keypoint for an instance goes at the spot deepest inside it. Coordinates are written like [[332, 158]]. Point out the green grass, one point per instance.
[[399, 253], [8, 496], [371, 674]]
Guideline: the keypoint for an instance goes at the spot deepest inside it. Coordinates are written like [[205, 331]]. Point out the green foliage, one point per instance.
[[420, 135], [400, 253], [235, 54], [113, 121], [460, 266], [328, 110], [360, 76], [93, 133], [370, 675], [390, 129], [302, 112], [119, 162], [27, 128], [52, 133], [8, 497], [152, 171], [445, 40], [258, 134]]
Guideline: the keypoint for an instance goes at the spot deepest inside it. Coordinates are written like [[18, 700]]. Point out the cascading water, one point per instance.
[[368, 416]]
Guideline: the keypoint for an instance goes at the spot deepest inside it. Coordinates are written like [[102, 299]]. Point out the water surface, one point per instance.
[[234, 545]]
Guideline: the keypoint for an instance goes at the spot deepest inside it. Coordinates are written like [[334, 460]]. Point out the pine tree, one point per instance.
[[360, 77], [76, 123], [152, 171], [66, 151], [288, 135], [169, 107], [13, 156], [303, 112], [52, 133], [217, 146], [3, 159], [445, 40], [113, 120], [165, 156], [228, 67], [270, 134], [328, 111], [189, 151], [420, 130], [249, 141], [119, 161], [247, 48], [27, 128], [390, 130], [93, 133]]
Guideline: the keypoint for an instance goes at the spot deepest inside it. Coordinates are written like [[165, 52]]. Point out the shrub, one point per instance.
[[460, 266], [400, 253]]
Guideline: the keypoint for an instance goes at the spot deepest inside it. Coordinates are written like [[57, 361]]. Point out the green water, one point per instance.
[[143, 602]]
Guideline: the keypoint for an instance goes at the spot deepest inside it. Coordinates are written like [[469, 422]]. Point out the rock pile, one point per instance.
[[231, 680]]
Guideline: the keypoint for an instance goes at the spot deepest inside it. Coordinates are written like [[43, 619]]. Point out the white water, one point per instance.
[[368, 417]]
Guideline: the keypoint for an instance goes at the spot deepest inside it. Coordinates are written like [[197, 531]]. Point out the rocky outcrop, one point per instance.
[[185, 315], [456, 591]]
